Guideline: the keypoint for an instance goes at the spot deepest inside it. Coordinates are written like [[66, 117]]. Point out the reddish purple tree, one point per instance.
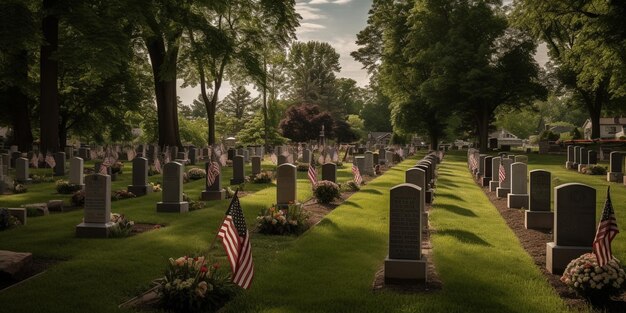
[[304, 122]]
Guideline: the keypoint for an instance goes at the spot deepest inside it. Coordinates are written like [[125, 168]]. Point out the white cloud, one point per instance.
[[309, 27], [329, 1], [307, 12]]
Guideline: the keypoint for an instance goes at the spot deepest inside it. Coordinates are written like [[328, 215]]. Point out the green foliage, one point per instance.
[[285, 221], [326, 191], [265, 177], [595, 170], [356, 125], [576, 133], [196, 173], [122, 227], [193, 131], [351, 185], [7, 220], [64, 187], [254, 130], [19, 188], [239, 104], [547, 135], [376, 114], [521, 122]]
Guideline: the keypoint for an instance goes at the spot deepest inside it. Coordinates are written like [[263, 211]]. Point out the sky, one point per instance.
[[336, 22]]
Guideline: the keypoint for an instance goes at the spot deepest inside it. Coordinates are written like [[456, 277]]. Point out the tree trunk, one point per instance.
[[165, 92], [19, 108], [482, 120], [434, 141], [265, 121], [49, 102]]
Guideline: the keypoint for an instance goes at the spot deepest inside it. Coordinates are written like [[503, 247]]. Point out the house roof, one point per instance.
[[608, 121], [378, 135], [496, 133]]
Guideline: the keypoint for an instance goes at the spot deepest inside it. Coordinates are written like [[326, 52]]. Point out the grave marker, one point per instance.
[[97, 213], [538, 215]]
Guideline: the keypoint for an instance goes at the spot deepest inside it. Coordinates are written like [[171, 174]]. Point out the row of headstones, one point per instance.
[[407, 220], [579, 157], [572, 220]]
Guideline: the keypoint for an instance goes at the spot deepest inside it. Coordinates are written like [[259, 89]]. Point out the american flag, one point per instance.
[[236, 242], [357, 174], [502, 173], [157, 165], [274, 158], [473, 162], [34, 161], [104, 166], [607, 230], [50, 161], [312, 174], [212, 172]]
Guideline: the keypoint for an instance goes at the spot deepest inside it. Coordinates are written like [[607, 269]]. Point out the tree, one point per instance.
[[375, 112], [48, 95], [253, 132], [304, 122], [311, 70], [239, 104], [350, 97]]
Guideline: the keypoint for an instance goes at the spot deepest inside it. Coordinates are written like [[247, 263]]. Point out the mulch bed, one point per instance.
[[534, 242]]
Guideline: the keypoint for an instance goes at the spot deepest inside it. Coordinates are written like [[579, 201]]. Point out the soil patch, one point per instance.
[[534, 242], [139, 228]]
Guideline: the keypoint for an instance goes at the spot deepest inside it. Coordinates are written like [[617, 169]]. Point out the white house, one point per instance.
[[610, 128], [506, 138]]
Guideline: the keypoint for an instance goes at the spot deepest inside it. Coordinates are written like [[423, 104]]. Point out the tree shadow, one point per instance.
[[456, 209], [374, 191], [352, 203], [464, 236]]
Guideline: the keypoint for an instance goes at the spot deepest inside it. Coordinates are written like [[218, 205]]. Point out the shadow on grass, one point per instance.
[[464, 236], [352, 203], [456, 209], [374, 191], [451, 196]]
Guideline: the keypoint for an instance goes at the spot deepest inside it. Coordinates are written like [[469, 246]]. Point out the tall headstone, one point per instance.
[[84, 153], [574, 225], [616, 167], [518, 198], [505, 185], [286, 184], [369, 163], [97, 214], [140, 186], [69, 152], [14, 156], [246, 156], [389, 157], [576, 156], [306, 156], [360, 164], [231, 153], [329, 172], [256, 164], [213, 191], [21, 171], [59, 168], [538, 215], [417, 177], [193, 155], [481, 165], [582, 158], [76, 171], [239, 176], [382, 155], [405, 262], [488, 171], [592, 157], [172, 201], [569, 164]]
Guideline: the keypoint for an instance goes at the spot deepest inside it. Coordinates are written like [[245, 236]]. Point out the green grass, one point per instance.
[[328, 269]]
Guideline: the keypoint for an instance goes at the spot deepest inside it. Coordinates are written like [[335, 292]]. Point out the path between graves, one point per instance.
[[330, 268]]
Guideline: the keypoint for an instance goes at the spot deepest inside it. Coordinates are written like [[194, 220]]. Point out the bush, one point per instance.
[[122, 194], [352, 186], [326, 191], [190, 285], [196, 173], [122, 227], [303, 167], [7, 220], [78, 198], [576, 134], [291, 220], [19, 188], [264, 177], [229, 193], [549, 136], [65, 188], [185, 178], [595, 170], [195, 205], [589, 280]]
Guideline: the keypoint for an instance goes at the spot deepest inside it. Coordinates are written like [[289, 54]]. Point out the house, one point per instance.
[[504, 138], [610, 128], [379, 138]]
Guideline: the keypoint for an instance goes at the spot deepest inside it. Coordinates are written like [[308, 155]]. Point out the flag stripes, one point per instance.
[[607, 230]]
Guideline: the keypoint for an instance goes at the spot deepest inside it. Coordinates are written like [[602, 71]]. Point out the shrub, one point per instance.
[[7, 220], [589, 280], [19, 188], [326, 191], [290, 220], [195, 205], [229, 193], [196, 173], [78, 198], [190, 285], [122, 227], [264, 177], [352, 186], [117, 167], [549, 136], [64, 187], [122, 194], [303, 167], [185, 178], [595, 170]]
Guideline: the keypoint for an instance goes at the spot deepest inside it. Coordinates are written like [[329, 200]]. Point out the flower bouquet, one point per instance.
[[291, 220], [592, 281]]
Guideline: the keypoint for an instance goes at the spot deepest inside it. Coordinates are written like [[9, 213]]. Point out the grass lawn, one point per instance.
[[328, 269]]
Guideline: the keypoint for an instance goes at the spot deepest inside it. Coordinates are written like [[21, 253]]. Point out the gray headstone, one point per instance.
[[495, 166], [59, 168], [306, 156], [507, 168], [281, 159], [140, 171], [582, 156], [173, 182], [570, 154], [76, 171], [576, 155], [21, 170], [238, 170], [329, 172], [389, 157], [575, 215], [360, 164], [417, 177], [616, 160], [592, 157], [286, 184], [97, 199], [369, 163], [521, 158], [192, 155], [256, 164], [487, 166], [405, 222], [519, 178], [540, 187]]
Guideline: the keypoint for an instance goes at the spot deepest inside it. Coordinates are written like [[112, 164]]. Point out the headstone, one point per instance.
[[582, 159], [14, 156], [505, 185], [417, 177], [140, 186], [231, 153], [21, 171], [215, 190], [405, 262], [246, 156], [389, 157], [487, 165], [282, 159], [329, 172], [375, 157], [84, 153], [576, 156], [172, 200], [76, 171], [569, 164], [59, 168], [382, 155], [286, 184], [192, 155], [69, 152], [574, 225], [97, 213], [592, 157], [538, 215], [369, 163], [481, 165], [616, 171], [518, 198], [306, 156], [360, 164], [239, 176], [256, 165]]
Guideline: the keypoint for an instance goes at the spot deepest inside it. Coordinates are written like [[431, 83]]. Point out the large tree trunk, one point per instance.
[[49, 102], [482, 120], [19, 108], [165, 92]]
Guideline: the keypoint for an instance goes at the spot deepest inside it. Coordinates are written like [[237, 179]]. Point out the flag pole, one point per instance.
[[225, 214]]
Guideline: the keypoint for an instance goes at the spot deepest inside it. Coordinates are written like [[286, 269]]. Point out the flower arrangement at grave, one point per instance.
[[229, 192], [351, 185], [156, 187], [117, 167], [64, 187], [38, 179], [265, 177], [7, 220], [185, 178], [326, 191], [122, 227], [193, 205], [196, 173], [19, 188], [302, 167], [78, 198], [191, 285], [594, 170], [290, 220], [122, 194], [592, 281]]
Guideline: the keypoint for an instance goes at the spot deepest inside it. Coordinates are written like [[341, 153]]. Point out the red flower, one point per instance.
[[204, 269], [216, 265]]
